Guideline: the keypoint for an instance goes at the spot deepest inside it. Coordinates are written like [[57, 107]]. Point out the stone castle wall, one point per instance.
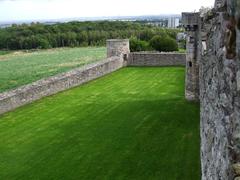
[[118, 47], [191, 24], [12, 99], [156, 59], [219, 68]]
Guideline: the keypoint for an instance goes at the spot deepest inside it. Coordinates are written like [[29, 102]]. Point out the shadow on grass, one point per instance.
[[157, 139]]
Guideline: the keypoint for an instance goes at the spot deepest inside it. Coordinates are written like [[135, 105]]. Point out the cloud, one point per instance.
[[52, 9]]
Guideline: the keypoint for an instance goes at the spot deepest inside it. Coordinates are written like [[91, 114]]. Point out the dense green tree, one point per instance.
[[163, 43], [37, 35], [139, 45]]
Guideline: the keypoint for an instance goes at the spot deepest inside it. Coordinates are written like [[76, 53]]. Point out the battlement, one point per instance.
[[190, 18], [118, 47], [191, 24], [190, 21]]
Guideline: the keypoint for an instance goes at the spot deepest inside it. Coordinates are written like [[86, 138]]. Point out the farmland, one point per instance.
[[20, 68]]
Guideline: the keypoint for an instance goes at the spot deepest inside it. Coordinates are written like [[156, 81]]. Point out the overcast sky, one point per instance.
[[11, 10]]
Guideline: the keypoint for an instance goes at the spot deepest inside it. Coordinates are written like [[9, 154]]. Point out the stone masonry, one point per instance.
[[117, 47], [191, 24], [49, 86], [218, 57], [156, 59]]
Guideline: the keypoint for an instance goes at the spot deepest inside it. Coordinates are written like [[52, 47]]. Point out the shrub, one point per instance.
[[139, 45], [182, 44], [163, 43]]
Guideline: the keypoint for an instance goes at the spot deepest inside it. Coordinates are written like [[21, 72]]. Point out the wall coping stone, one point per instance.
[[157, 52]]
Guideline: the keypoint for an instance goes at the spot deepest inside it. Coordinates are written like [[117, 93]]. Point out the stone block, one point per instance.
[[190, 19], [118, 47]]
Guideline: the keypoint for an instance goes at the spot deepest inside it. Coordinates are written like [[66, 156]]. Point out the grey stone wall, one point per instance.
[[156, 59], [46, 87], [118, 47], [219, 93], [190, 19], [191, 24]]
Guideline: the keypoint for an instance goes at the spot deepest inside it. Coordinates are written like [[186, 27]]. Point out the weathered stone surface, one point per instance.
[[46, 87], [236, 168], [219, 94], [118, 47], [191, 24], [190, 19], [156, 59], [238, 80]]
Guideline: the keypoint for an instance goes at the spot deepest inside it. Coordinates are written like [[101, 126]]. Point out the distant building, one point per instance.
[[173, 22], [160, 23]]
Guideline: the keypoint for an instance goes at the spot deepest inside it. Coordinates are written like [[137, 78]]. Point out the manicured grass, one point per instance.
[[133, 124], [21, 68]]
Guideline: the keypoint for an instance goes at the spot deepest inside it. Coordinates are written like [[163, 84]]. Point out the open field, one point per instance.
[[132, 124], [20, 68], [4, 52]]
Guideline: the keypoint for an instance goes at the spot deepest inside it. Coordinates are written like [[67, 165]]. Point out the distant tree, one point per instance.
[[82, 38], [146, 34], [163, 43], [42, 42], [37, 35], [139, 45]]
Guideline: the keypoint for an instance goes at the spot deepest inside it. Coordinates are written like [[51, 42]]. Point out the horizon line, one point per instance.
[[86, 17]]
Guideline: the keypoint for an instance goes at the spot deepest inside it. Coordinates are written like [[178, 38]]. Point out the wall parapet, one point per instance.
[[26, 94], [156, 59]]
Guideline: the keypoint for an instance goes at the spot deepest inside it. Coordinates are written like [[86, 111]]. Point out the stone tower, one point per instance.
[[118, 47], [191, 25]]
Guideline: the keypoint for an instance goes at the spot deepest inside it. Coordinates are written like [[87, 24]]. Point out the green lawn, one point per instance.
[[20, 68], [182, 50], [133, 124]]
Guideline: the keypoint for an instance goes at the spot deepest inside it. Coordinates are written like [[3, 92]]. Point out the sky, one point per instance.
[[16, 10]]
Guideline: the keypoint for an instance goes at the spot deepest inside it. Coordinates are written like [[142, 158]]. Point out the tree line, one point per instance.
[[76, 34]]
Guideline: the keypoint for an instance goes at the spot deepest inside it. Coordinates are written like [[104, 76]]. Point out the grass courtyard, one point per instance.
[[20, 68], [133, 124]]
